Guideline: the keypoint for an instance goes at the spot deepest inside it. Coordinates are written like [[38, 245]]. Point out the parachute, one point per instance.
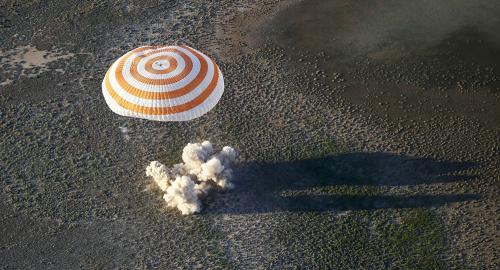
[[163, 83]]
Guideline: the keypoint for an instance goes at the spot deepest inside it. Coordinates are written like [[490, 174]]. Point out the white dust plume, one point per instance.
[[185, 184]]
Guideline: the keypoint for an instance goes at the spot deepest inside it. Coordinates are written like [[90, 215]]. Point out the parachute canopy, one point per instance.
[[163, 83]]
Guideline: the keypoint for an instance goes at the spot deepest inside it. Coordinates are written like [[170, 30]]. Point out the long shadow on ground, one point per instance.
[[341, 182]]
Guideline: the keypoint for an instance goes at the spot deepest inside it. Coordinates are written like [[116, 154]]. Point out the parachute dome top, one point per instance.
[[163, 83]]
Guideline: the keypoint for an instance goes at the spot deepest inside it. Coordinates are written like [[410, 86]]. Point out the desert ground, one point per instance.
[[368, 134]]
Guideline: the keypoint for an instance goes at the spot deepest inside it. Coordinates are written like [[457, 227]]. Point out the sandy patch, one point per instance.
[[31, 59]]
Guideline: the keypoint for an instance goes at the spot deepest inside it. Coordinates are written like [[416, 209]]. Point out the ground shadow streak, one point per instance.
[[286, 186]]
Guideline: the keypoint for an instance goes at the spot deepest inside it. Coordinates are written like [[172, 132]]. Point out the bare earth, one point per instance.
[[369, 135]]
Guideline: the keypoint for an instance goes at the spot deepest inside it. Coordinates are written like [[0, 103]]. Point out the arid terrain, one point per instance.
[[368, 133]]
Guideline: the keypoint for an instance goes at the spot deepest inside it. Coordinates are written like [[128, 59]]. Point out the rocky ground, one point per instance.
[[361, 147]]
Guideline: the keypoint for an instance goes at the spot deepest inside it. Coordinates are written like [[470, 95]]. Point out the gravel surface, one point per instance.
[[361, 147]]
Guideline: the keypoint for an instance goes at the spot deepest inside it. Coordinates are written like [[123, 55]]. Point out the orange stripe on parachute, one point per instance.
[[136, 75], [149, 64], [164, 110], [163, 95]]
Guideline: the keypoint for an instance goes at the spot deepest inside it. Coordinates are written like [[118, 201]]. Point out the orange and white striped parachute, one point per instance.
[[163, 83]]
